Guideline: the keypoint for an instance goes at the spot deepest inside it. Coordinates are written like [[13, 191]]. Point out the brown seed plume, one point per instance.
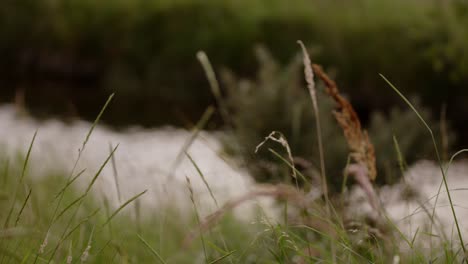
[[362, 150]]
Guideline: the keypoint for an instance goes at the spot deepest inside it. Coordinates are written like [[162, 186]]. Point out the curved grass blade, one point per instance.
[[68, 184], [23, 172], [123, 206], [155, 253], [90, 185], [222, 257], [22, 207], [203, 178], [460, 236], [214, 85], [195, 132]]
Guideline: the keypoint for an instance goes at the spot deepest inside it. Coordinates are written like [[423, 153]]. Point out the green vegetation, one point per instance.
[[22, 238], [66, 56], [277, 100], [81, 234], [51, 220], [144, 50]]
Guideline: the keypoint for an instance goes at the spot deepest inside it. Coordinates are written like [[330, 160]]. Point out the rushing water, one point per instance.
[[154, 160]]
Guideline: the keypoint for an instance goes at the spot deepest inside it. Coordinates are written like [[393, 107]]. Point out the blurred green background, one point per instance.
[[63, 58], [73, 53], [67, 56]]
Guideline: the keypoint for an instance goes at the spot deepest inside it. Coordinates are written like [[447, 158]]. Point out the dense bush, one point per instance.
[[278, 100], [82, 50]]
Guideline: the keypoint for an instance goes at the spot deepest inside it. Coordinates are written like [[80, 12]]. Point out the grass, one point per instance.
[[444, 177], [82, 227], [126, 242], [52, 220]]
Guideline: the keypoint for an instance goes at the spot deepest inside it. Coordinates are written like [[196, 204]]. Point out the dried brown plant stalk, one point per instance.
[[280, 191], [362, 150]]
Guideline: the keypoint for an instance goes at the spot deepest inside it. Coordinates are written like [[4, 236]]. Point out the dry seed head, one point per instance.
[[281, 140], [70, 257], [85, 255], [44, 244], [362, 150], [309, 74], [189, 186]]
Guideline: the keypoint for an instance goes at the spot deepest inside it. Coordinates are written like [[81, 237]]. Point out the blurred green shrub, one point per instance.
[[278, 100]]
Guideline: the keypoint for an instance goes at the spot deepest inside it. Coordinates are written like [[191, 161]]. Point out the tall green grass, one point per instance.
[[52, 220], [442, 169]]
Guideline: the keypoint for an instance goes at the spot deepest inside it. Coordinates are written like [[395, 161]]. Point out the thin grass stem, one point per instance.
[[122, 207], [155, 253], [23, 173], [460, 236]]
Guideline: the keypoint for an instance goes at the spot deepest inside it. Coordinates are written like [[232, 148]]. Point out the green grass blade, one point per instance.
[[345, 176], [25, 258], [84, 220], [214, 85], [446, 171], [454, 156], [90, 185], [401, 159], [291, 166], [123, 206], [80, 151], [96, 121], [70, 205], [101, 250], [222, 257], [195, 132], [460, 236], [100, 169], [192, 198], [64, 233], [155, 253], [116, 174], [200, 173], [23, 206], [403, 165], [70, 182], [23, 173], [28, 155]]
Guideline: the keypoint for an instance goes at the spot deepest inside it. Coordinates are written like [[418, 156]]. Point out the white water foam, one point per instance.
[[146, 160], [410, 203]]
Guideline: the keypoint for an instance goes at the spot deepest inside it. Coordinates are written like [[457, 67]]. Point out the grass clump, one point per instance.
[[90, 233], [87, 235], [55, 221]]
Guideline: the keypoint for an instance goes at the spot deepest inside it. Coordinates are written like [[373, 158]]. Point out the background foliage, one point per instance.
[[277, 100], [145, 51]]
